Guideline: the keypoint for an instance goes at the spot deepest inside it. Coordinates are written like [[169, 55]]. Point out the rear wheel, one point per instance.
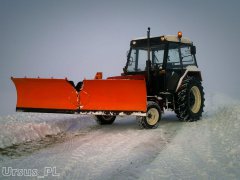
[[190, 100], [104, 120], [153, 116]]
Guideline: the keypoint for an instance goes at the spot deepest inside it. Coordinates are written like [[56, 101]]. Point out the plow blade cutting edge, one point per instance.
[[109, 97]]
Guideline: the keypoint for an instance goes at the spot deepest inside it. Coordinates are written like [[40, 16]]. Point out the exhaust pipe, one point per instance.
[[148, 62]]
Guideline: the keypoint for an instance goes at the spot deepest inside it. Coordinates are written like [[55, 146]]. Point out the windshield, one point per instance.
[[139, 55]]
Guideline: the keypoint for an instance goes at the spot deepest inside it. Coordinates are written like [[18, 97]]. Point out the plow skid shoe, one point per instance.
[[128, 96], [45, 95]]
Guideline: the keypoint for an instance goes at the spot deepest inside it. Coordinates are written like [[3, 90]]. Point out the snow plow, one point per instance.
[[160, 73], [95, 97]]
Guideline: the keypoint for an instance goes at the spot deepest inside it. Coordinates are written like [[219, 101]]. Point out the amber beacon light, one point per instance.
[[179, 34]]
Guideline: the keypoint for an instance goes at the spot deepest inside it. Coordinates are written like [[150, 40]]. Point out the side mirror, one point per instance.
[[193, 50]]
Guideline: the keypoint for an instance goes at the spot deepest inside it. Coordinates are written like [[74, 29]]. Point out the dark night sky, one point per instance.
[[75, 39]]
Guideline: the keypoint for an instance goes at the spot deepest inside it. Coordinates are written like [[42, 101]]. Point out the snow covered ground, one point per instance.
[[78, 148], [206, 149]]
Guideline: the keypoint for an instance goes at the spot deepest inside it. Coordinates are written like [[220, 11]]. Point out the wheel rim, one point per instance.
[[107, 118], [152, 116], [195, 99]]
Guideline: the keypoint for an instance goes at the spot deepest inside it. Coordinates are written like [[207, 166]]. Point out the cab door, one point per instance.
[[173, 67]]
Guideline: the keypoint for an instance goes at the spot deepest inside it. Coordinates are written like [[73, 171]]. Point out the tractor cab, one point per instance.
[[163, 60]]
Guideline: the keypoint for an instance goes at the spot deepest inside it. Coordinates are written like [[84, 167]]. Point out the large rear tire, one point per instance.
[[105, 120], [153, 117], [190, 100]]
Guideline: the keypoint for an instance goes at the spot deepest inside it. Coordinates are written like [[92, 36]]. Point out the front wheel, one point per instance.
[[104, 120], [153, 117]]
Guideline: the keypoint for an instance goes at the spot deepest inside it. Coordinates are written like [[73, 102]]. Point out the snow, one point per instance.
[[209, 149], [81, 149], [25, 127]]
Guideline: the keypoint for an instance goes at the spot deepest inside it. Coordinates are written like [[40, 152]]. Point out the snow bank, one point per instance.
[[215, 101], [24, 127]]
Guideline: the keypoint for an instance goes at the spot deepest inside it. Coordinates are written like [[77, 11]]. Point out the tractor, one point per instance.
[[161, 73]]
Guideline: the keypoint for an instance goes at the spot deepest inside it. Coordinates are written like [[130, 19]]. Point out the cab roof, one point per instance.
[[164, 38]]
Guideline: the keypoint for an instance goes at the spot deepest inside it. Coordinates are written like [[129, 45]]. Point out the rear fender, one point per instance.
[[190, 71]]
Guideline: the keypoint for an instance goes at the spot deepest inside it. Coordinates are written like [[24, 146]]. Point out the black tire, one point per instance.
[[153, 117], [105, 120], [189, 101]]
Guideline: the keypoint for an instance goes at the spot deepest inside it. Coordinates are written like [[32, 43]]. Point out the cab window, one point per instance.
[[139, 55], [173, 59], [187, 57]]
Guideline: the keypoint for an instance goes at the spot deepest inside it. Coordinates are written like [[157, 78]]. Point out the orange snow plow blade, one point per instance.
[[45, 95], [113, 96]]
